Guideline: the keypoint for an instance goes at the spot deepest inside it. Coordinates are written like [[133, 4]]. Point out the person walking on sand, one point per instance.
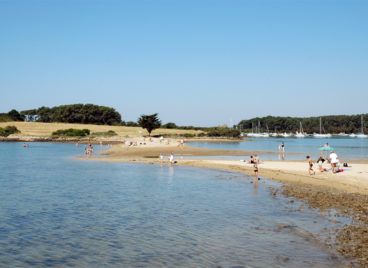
[[310, 165]]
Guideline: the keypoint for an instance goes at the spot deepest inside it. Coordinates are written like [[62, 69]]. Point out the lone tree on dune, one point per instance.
[[149, 122]]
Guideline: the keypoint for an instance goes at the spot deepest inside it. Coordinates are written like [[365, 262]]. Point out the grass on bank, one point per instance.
[[38, 129]]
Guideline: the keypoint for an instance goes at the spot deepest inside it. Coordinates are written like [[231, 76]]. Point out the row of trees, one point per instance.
[[331, 124], [77, 113], [12, 115]]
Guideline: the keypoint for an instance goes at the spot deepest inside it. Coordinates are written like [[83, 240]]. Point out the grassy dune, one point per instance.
[[36, 129]]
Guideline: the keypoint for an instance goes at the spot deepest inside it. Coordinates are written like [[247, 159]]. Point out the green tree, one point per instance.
[[170, 125], [15, 115], [149, 122]]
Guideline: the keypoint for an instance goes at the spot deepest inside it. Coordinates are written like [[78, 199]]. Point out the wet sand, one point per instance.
[[346, 192]]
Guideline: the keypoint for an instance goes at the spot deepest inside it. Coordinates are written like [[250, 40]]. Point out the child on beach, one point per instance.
[[310, 164]]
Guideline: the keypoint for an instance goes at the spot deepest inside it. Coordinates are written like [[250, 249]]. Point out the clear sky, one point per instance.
[[194, 62]]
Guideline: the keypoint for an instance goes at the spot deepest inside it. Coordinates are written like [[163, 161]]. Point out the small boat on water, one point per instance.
[[258, 134], [300, 133], [361, 134], [286, 135], [320, 134]]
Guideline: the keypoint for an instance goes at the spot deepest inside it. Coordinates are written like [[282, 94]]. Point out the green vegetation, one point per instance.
[[12, 115], [223, 132], [130, 124], [109, 133], [77, 113], [71, 132], [5, 132], [169, 125], [331, 124], [149, 122]]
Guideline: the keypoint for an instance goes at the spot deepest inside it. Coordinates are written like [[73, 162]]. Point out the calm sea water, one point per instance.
[[59, 211], [347, 148]]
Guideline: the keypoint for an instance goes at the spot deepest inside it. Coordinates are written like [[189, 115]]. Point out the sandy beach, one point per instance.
[[345, 192]]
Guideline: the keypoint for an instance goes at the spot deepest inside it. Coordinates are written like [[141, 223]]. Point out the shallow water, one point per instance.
[[59, 211], [296, 149]]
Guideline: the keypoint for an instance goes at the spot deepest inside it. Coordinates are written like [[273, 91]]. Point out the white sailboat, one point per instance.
[[320, 135], [300, 133], [362, 135], [258, 134], [286, 135]]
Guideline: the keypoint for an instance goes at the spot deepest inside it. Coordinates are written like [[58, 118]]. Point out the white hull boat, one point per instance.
[[320, 134], [286, 135], [362, 136], [300, 133]]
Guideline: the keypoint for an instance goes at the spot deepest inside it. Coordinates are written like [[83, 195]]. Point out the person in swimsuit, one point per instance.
[[320, 162], [310, 164], [255, 168]]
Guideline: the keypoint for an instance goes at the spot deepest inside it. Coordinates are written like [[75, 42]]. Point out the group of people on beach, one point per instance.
[[332, 159]]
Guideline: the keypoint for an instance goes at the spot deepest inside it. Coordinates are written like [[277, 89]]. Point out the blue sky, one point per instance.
[[193, 62]]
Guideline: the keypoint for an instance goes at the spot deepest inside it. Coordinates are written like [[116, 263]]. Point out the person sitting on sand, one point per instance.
[[320, 162], [310, 165]]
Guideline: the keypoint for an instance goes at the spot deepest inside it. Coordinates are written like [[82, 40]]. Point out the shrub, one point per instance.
[[169, 125], [109, 133], [188, 135], [223, 132], [5, 132], [71, 132]]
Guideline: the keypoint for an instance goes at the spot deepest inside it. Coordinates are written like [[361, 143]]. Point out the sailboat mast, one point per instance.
[[362, 125], [320, 125]]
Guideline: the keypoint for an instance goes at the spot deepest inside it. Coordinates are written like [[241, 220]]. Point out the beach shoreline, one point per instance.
[[346, 193]]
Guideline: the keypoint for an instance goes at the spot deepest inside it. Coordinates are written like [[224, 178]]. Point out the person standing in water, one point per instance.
[[171, 159], [255, 168], [282, 151]]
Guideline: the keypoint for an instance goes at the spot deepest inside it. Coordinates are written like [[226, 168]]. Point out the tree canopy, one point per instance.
[[149, 122], [77, 113]]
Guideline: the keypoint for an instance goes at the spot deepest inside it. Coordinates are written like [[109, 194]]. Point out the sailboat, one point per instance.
[[258, 134], [300, 134], [362, 135], [320, 135], [286, 135]]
